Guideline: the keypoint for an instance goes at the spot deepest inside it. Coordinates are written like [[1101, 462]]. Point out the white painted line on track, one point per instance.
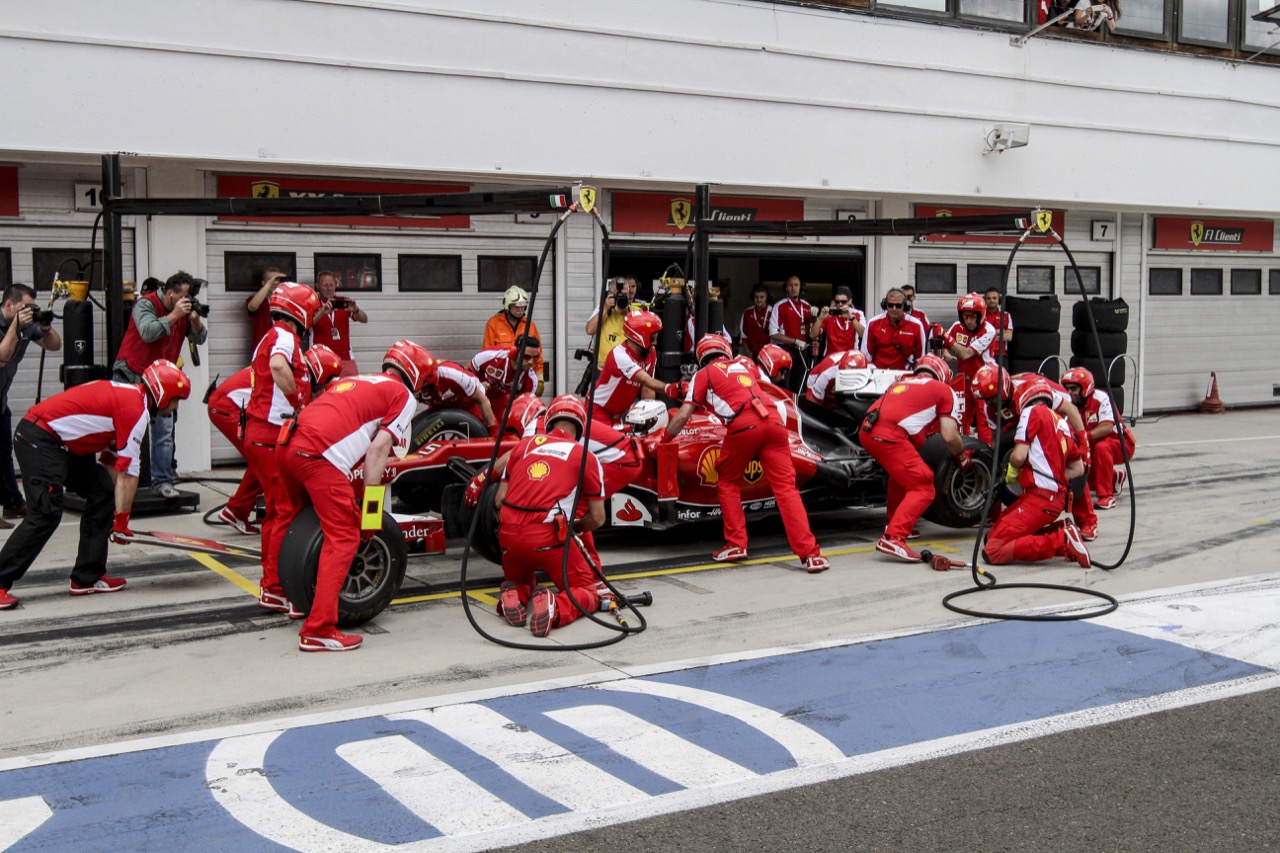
[[537, 762], [1208, 441], [20, 818], [430, 788]]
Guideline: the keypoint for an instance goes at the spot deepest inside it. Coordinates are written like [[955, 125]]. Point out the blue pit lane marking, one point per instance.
[[841, 701]]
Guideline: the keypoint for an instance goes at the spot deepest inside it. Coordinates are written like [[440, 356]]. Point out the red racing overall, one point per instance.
[[225, 405], [754, 429], [541, 498]]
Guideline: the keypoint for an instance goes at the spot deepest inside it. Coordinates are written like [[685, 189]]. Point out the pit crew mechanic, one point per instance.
[[503, 327], [728, 387], [538, 495], [628, 369], [969, 339], [56, 442], [1106, 428], [893, 431], [281, 386], [455, 387], [359, 419], [894, 339]]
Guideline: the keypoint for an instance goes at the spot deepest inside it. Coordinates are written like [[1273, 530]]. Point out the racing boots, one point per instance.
[[510, 605], [7, 601], [239, 525], [329, 640], [1073, 544], [102, 584], [730, 554], [542, 612], [816, 564], [897, 548]]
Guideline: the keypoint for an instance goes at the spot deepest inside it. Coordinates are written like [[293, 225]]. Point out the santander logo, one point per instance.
[[629, 513]]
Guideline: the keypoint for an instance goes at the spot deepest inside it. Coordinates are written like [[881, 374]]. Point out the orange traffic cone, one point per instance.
[[1212, 403]]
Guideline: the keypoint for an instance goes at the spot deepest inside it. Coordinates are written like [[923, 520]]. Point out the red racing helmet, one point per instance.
[[323, 364], [854, 359], [990, 380], [417, 366], [971, 303], [296, 301], [711, 344], [524, 409], [934, 366], [1082, 377], [774, 359], [1035, 390], [166, 382], [567, 407], [641, 328]]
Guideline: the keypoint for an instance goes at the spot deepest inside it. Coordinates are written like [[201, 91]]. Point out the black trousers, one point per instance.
[[48, 468]]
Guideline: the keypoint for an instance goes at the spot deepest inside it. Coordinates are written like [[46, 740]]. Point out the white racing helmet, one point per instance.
[[646, 416]]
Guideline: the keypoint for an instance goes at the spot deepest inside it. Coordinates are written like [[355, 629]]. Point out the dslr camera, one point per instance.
[[620, 299], [197, 307], [43, 316]]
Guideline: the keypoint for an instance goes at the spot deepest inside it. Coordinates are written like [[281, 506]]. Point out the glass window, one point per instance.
[[1273, 283], [1165, 282], [1000, 10], [6, 268], [1035, 280], [985, 276], [497, 274], [436, 273], [354, 272], [1206, 282], [1144, 17], [1090, 277], [921, 5], [1260, 35], [69, 264], [1205, 22], [1246, 282], [935, 278], [243, 271]]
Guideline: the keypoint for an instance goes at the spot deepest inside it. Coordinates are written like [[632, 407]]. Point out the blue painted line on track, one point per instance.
[[863, 698]]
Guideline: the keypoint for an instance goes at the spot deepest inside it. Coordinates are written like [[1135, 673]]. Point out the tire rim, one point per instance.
[[969, 487], [369, 571]]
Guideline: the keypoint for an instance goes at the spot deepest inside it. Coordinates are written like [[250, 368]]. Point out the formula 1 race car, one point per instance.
[[677, 484]]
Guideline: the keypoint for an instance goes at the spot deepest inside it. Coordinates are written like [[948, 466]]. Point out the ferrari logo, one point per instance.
[[1044, 219], [681, 212], [587, 199], [538, 470], [539, 440], [343, 386], [942, 214], [264, 189], [1197, 232]]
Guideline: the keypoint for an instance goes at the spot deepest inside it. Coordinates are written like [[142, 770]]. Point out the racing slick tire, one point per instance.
[[486, 540], [444, 425], [374, 578], [961, 493]]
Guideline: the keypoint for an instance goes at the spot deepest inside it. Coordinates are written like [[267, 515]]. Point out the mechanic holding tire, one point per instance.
[[969, 339], [893, 432], [280, 387], [359, 419], [627, 372], [728, 386]]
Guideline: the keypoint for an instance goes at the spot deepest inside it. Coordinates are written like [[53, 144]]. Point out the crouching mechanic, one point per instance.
[[227, 412], [1106, 430], [359, 419], [729, 387], [1045, 457], [894, 430], [56, 442], [538, 495]]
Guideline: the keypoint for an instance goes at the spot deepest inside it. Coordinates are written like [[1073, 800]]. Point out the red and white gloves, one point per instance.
[[676, 390], [471, 497], [1082, 443], [964, 460], [120, 532]]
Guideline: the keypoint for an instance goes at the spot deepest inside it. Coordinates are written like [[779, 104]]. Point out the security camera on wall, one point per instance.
[[1005, 136]]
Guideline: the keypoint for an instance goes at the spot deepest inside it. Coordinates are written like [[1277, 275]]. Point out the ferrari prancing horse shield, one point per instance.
[[681, 212]]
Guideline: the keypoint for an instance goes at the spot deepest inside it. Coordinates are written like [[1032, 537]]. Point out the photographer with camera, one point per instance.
[[161, 321], [21, 322], [333, 326], [618, 303], [839, 327]]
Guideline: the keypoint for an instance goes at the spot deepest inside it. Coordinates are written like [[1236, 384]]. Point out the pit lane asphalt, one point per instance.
[[182, 649]]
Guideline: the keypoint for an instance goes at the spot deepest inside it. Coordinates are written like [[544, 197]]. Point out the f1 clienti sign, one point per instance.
[[1057, 220], [1221, 235], [251, 186], [673, 213]]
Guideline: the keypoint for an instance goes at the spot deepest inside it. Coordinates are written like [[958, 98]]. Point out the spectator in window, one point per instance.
[[503, 327], [161, 321], [256, 305], [615, 311], [1091, 16], [753, 328], [333, 325], [919, 314], [839, 327]]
